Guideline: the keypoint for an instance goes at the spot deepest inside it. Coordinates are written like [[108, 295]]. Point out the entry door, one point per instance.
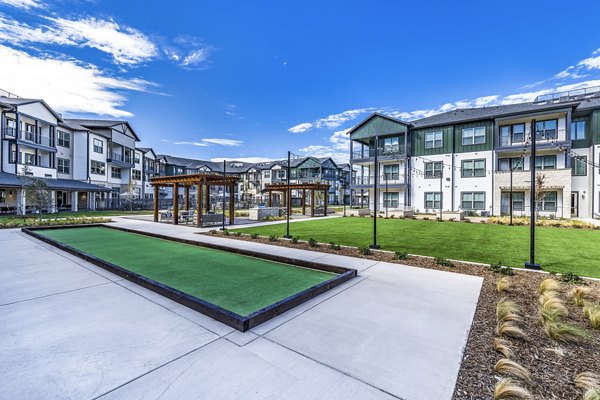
[[574, 204]]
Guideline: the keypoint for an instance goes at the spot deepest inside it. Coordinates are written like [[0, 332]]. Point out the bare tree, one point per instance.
[[130, 194], [540, 192]]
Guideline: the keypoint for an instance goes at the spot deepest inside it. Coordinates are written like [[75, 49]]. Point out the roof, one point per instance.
[[102, 123], [376, 114], [73, 125], [473, 114], [12, 180], [18, 101]]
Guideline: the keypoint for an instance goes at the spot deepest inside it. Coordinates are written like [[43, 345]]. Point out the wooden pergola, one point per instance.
[[201, 181], [312, 187]]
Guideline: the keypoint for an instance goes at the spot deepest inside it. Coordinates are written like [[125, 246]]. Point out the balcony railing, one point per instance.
[[387, 151], [393, 178], [541, 137], [9, 132], [121, 158], [30, 137]]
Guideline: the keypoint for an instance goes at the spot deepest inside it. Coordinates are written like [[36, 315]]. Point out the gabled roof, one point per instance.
[[474, 114], [18, 101], [375, 115], [103, 124], [146, 150], [73, 125]]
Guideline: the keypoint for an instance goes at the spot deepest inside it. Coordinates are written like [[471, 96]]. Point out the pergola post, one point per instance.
[[270, 199], [207, 198], [199, 205], [284, 198], [303, 201], [186, 191], [155, 203], [312, 202], [175, 204], [325, 202], [231, 205]]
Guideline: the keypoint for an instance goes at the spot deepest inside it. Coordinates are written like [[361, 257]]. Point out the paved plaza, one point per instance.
[[70, 330]]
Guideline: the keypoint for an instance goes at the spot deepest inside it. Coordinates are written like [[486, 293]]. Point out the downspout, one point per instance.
[[17, 134], [493, 166], [2, 141]]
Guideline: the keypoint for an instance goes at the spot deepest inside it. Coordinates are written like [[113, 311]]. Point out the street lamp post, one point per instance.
[[375, 197], [510, 200], [531, 264], [224, 187], [386, 194], [288, 194]]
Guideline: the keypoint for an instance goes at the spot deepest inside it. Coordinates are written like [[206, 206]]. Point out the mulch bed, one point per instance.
[[553, 365]]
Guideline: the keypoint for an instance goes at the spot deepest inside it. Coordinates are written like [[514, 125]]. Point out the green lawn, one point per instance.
[[557, 249], [237, 283]]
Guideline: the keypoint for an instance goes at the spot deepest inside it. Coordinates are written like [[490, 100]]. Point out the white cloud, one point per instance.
[[195, 57], [324, 151], [67, 85], [25, 4], [198, 144], [223, 142], [252, 160], [209, 141], [301, 127]]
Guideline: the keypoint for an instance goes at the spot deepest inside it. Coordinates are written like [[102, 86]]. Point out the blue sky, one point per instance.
[[256, 79]]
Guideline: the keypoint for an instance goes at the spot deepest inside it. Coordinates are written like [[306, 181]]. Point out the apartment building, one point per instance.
[[254, 176], [86, 163], [463, 160]]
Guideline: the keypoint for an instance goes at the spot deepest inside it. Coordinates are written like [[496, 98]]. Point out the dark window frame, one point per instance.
[[435, 172], [438, 201], [474, 175], [579, 161], [434, 140], [473, 207], [65, 168]]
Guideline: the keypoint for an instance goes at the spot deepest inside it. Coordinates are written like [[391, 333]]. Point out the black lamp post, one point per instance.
[[224, 188], [288, 194], [375, 197], [531, 264]]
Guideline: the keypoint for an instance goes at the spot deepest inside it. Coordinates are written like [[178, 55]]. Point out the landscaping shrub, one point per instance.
[[505, 366], [294, 240], [334, 246], [510, 329], [400, 255], [499, 269], [570, 277], [7, 223], [312, 242], [501, 346], [503, 284], [254, 235], [213, 231], [580, 294], [592, 312], [425, 218], [238, 234], [364, 250], [507, 389], [273, 238], [226, 232], [442, 261], [507, 310]]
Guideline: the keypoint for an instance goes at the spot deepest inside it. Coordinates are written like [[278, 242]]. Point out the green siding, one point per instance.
[[595, 126], [309, 163], [587, 142], [377, 126], [418, 141], [489, 137]]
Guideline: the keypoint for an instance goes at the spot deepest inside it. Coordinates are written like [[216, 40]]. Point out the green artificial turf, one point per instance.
[[557, 249], [237, 283]]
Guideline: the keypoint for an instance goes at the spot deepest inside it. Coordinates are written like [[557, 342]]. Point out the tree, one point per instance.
[[36, 192], [130, 194], [540, 192]]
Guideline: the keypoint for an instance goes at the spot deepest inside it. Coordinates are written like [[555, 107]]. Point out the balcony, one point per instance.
[[30, 138], [391, 180], [121, 160], [554, 139], [388, 152]]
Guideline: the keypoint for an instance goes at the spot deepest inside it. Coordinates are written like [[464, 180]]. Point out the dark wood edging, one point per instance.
[[241, 323]]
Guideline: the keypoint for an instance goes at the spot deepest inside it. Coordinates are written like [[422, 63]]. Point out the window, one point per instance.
[[64, 139], [115, 172], [518, 201], [12, 156], [472, 136], [391, 145], [267, 174], [433, 169], [29, 159], [506, 164], [518, 133], [433, 140], [390, 199], [512, 134], [136, 158], [2, 196], [64, 166], [505, 135], [549, 202], [98, 146], [579, 166], [136, 175], [98, 168], [473, 200], [391, 172], [473, 168], [578, 130], [545, 162], [433, 200], [546, 129]]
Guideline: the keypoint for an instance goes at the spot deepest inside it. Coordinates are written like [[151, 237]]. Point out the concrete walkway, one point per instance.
[[71, 330]]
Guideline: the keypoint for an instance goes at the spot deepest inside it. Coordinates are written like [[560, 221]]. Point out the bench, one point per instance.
[[364, 212]]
